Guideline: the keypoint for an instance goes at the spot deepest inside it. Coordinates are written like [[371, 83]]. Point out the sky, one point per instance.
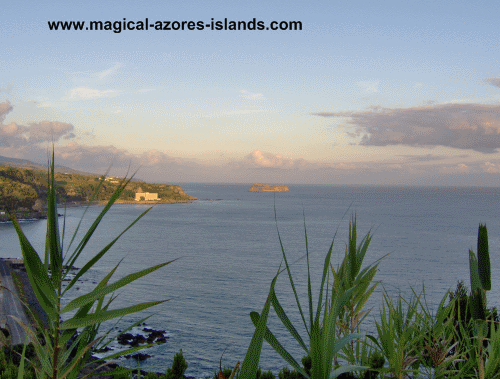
[[375, 93]]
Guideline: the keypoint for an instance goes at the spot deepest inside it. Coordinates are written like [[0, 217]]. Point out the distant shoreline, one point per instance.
[[34, 216]]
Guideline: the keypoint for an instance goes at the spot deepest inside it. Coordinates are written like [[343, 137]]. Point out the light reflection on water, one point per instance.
[[229, 253]]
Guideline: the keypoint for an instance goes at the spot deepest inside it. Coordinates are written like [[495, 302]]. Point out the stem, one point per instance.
[[56, 333]]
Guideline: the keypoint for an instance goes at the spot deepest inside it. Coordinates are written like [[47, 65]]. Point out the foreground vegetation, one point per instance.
[[459, 339], [24, 190]]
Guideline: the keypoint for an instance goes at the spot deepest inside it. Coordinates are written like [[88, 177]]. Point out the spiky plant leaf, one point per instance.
[[483, 258], [250, 364], [100, 317]]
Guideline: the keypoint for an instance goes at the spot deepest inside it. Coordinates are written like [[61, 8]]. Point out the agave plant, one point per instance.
[[480, 274], [321, 326], [59, 355], [485, 342]]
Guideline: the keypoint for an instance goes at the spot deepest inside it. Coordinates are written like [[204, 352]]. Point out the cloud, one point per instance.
[[423, 158], [50, 131], [145, 90], [109, 71], [461, 126], [84, 93], [155, 157], [491, 167], [5, 108], [369, 86], [17, 136], [97, 158], [261, 159], [493, 81], [251, 96]]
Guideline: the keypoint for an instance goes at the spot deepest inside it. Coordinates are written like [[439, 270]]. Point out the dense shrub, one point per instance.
[[179, 365]]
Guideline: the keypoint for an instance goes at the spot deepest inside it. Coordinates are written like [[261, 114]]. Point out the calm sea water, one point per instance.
[[229, 252]]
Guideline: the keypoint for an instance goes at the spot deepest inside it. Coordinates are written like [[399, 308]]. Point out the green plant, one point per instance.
[[286, 373], [376, 362], [321, 329], [267, 375], [179, 365], [397, 336], [347, 275], [484, 346], [437, 346], [58, 354], [480, 275]]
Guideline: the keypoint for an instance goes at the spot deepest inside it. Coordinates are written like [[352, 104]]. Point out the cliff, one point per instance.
[[259, 187]]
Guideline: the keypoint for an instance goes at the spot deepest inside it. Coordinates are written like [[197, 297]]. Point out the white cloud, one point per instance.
[[262, 159], [251, 96], [109, 71], [145, 90], [84, 93]]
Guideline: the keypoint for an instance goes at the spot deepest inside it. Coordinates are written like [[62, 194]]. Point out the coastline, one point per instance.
[[34, 215]]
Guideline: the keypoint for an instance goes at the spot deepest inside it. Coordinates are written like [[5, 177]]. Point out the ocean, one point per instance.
[[228, 252]]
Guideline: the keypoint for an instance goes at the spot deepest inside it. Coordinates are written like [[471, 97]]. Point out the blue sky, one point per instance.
[[366, 93]]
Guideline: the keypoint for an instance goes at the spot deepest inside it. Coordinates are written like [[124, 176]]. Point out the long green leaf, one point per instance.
[[41, 284], [343, 369], [252, 357], [53, 237], [20, 372], [289, 272], [339, 344], [97, 221], [271, 340], [317, 357], [39, 349], [483, 258], [91, 201], [309, 287], [286, 321], [101, 292], [95, 318], [325, 271], [71, 366], [98, 256], [474, 272], [352, 253]]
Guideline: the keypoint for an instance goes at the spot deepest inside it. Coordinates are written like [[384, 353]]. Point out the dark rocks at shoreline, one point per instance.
[[32, 216], [139, 357], [155, 335], [136, 340]]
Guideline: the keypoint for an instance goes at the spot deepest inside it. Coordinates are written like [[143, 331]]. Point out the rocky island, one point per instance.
[[259, 187]]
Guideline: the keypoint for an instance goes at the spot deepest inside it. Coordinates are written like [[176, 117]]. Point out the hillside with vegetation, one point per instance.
[[24, 190]]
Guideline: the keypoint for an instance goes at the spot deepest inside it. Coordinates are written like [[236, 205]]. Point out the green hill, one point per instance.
[[24, 190]]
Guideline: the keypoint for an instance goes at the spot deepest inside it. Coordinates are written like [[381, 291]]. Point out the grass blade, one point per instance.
[[252, 357], [101, 292], [98, 256], [271, 340], [100, 317], [286, 321]]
